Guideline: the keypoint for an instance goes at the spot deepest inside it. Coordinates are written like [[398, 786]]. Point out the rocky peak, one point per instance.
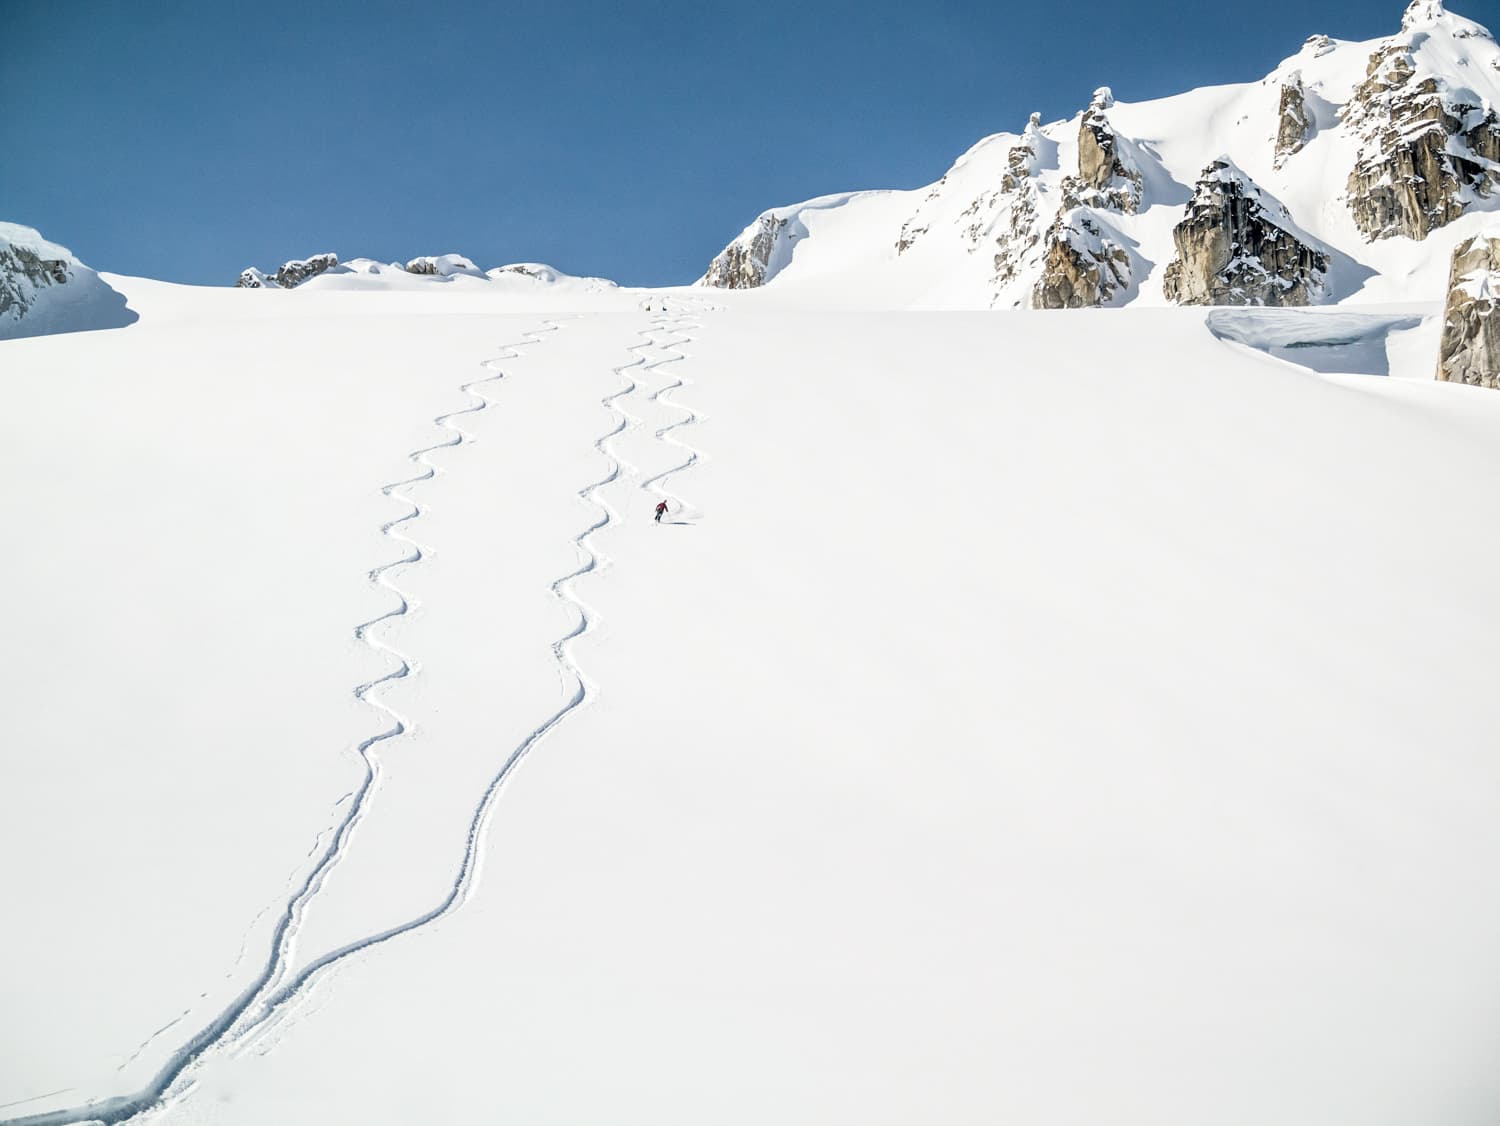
[[1020, 163], [1470, 348], [290, 275], [1426, 148], [1294, 123], [1107, 178], [1235, 246]]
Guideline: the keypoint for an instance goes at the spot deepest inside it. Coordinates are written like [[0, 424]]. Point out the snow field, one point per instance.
[[1006, 731]]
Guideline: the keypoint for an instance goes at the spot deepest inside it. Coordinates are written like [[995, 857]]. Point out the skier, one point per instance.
[[661, 510]]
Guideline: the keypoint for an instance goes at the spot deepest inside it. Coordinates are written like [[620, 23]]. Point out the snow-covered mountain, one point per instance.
[[45, 289], [1349, 172]]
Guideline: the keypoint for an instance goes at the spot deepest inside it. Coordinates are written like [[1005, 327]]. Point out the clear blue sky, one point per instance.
[[187, 139]]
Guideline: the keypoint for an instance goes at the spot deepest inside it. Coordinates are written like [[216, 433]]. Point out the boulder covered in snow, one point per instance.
[[1470, 348], [44, 289], [1236, 246], [290, 275], [444, 266]]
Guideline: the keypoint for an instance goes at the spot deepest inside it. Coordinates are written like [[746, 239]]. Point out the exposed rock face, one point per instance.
[[1234, 247], [1295, 124], [1083, 267], [1424, 145], [744, 262], [23, 272], [1470, 349], [1106, 177], [291, 274]]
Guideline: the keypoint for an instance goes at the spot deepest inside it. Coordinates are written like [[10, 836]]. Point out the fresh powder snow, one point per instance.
[[1047, 717]]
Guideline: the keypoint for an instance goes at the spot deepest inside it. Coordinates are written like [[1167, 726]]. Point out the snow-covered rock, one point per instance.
[[1236, 246], [746, 262], [443, 266], [290, 275], [44, 289], [1107, 175], [1084, 266], [1470, 348], [764, 247], [1429, 144], [1294, 124]]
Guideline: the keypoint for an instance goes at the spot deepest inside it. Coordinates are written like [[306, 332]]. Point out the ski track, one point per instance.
[[231, 1023], [657, 483], [273, 989]]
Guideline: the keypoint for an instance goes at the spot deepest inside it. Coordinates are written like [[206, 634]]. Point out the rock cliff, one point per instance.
[[1470, 348], [1235, 246], [1084, 267], [1428, 144]]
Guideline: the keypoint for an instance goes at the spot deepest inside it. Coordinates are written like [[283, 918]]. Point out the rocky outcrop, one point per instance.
[[1424, 144], [745, 263], [1294, 123], [1107, 178], [291, 274], [44, 289], [1083, 267], [1470, 348], [1235, 246], [442, 266], [1319, 45], [23, 274]]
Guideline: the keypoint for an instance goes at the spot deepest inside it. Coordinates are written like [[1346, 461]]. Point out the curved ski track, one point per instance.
[[656, 483], [272, 989], [231, 1023]]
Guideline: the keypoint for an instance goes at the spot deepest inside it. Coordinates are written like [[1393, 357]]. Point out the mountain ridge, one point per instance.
[[1392, 141]]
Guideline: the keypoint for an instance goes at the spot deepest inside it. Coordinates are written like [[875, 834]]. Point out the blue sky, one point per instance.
[[186, 140]]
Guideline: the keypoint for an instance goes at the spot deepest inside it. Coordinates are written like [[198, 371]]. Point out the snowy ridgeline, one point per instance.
[[44, 289], [1350, 171], [371, 273]]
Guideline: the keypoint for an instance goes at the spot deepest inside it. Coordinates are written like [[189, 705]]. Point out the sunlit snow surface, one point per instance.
[[1017, 717]]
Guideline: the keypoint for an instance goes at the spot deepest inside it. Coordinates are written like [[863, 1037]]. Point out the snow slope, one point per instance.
[[988, 733], [937, 247]]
